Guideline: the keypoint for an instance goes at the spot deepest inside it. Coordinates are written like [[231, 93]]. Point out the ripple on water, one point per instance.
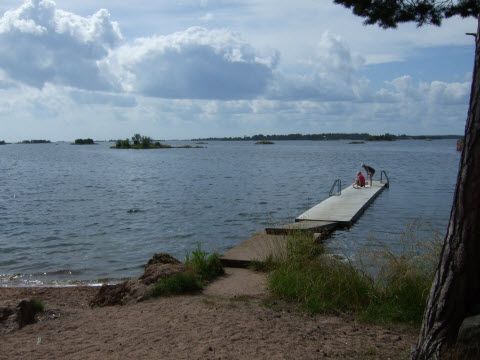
[[218, 197]]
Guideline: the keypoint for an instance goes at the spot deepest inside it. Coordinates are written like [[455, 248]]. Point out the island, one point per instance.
[[2, 142], [87, 141], [35, 142], [145, 142], [264, 142]]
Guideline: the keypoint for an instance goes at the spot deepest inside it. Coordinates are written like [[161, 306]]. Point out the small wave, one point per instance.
[[135, 210]]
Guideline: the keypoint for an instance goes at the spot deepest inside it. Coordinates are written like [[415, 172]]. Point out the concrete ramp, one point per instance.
[[344, 208]]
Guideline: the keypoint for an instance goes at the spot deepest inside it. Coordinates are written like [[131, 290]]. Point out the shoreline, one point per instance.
[[220, 323]]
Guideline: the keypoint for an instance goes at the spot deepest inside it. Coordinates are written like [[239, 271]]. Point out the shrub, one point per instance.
[[123, 144], [146, 142], [318, 282], [206, 267], [324, 285], [37, 305], [84, 141], [179, 283]]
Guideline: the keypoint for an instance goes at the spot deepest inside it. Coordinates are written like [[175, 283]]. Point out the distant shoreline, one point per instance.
[[332, 136]]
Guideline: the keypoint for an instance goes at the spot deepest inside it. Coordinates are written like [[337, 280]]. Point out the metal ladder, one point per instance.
[[386, 181], [337, 183]]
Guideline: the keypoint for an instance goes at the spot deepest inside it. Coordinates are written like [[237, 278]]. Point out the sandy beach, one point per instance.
[[224, 322]]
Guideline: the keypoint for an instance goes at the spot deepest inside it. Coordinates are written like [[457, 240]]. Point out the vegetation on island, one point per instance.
[[87, 141], [140, 142], [200, 269], [318, 282], [2, 142], [264, 142], [332, 136], [35, 142], [145, 142]]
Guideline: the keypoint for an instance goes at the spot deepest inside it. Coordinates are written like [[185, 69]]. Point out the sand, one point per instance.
[[225, 322]]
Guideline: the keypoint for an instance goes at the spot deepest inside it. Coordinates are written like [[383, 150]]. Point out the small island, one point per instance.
[[35, 142], [2, 142], [87, 141], [145, 142], [264, 142], [357, 142]]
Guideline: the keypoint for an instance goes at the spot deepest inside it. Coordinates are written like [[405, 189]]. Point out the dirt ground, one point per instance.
[[224, 322]]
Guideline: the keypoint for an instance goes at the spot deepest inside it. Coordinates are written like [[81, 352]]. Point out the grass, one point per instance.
[[200, 268], [319, 283], [37, 305], [179, 283], [205, 266]]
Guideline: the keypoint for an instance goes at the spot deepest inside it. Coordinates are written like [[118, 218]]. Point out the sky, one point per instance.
[[204, 68]]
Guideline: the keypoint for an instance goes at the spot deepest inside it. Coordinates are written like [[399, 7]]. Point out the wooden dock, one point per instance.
[[344, 208], [334, 212]]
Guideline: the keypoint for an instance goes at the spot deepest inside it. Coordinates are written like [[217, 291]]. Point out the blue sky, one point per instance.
[[184, 69]]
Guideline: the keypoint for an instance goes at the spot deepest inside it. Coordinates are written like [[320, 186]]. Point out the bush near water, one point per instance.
[[320, 283], [200, 268]]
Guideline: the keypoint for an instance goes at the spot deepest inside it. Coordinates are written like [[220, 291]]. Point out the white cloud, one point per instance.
[[63, 76], [404, 89], [41, 44], [330, 75], [196, 63]]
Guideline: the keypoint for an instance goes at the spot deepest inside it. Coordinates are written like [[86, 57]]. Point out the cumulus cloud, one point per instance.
[[40, 43], [404, 89], [196, 63], [331, 75]]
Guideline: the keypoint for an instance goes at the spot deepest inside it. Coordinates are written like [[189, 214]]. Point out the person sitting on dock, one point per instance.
[[370, 171], [360, 181]]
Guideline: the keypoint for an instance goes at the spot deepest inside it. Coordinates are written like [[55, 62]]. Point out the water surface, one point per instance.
[[83, 213]]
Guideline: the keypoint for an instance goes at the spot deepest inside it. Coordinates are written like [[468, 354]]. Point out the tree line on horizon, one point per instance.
[[331, 136]]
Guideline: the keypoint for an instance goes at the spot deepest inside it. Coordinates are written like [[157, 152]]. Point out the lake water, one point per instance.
[[73, 214]]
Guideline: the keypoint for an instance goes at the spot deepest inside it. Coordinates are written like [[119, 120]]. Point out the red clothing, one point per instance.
[[360, 180]]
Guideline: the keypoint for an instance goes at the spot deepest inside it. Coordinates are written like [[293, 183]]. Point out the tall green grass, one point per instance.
[[200, 268], [205, 266], [320, 283], [179, 283]]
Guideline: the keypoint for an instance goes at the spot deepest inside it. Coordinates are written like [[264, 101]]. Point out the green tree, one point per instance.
[[146, 142], [455, 292], [136, 139]]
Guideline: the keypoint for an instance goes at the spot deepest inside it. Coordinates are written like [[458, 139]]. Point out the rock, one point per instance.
[[469, 332], [162, 258], [5, 312], [25, 313], [111, 295], [160, 266]]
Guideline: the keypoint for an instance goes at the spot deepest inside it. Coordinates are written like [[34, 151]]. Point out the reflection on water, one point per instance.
[[91, 212]]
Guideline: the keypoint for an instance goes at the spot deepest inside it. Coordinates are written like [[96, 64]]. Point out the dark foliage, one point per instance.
[[35, 142], [332, 136], [84, 141], [390, 13]]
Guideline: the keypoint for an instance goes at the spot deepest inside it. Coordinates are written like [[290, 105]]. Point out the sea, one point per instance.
[[90, 214]]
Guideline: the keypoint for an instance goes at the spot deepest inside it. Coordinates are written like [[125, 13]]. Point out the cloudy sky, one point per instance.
[[199, 68]]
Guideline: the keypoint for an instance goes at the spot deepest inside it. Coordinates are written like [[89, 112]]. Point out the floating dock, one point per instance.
[[332, 213], [344, 208]]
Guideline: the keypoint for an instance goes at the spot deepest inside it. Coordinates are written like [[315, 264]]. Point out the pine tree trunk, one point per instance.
[[455, 292]]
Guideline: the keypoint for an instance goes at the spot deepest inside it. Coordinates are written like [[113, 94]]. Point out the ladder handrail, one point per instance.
[[338, 183], [387, 180]]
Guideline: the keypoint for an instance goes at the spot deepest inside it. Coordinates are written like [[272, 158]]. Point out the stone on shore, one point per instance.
[[160, 266]]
